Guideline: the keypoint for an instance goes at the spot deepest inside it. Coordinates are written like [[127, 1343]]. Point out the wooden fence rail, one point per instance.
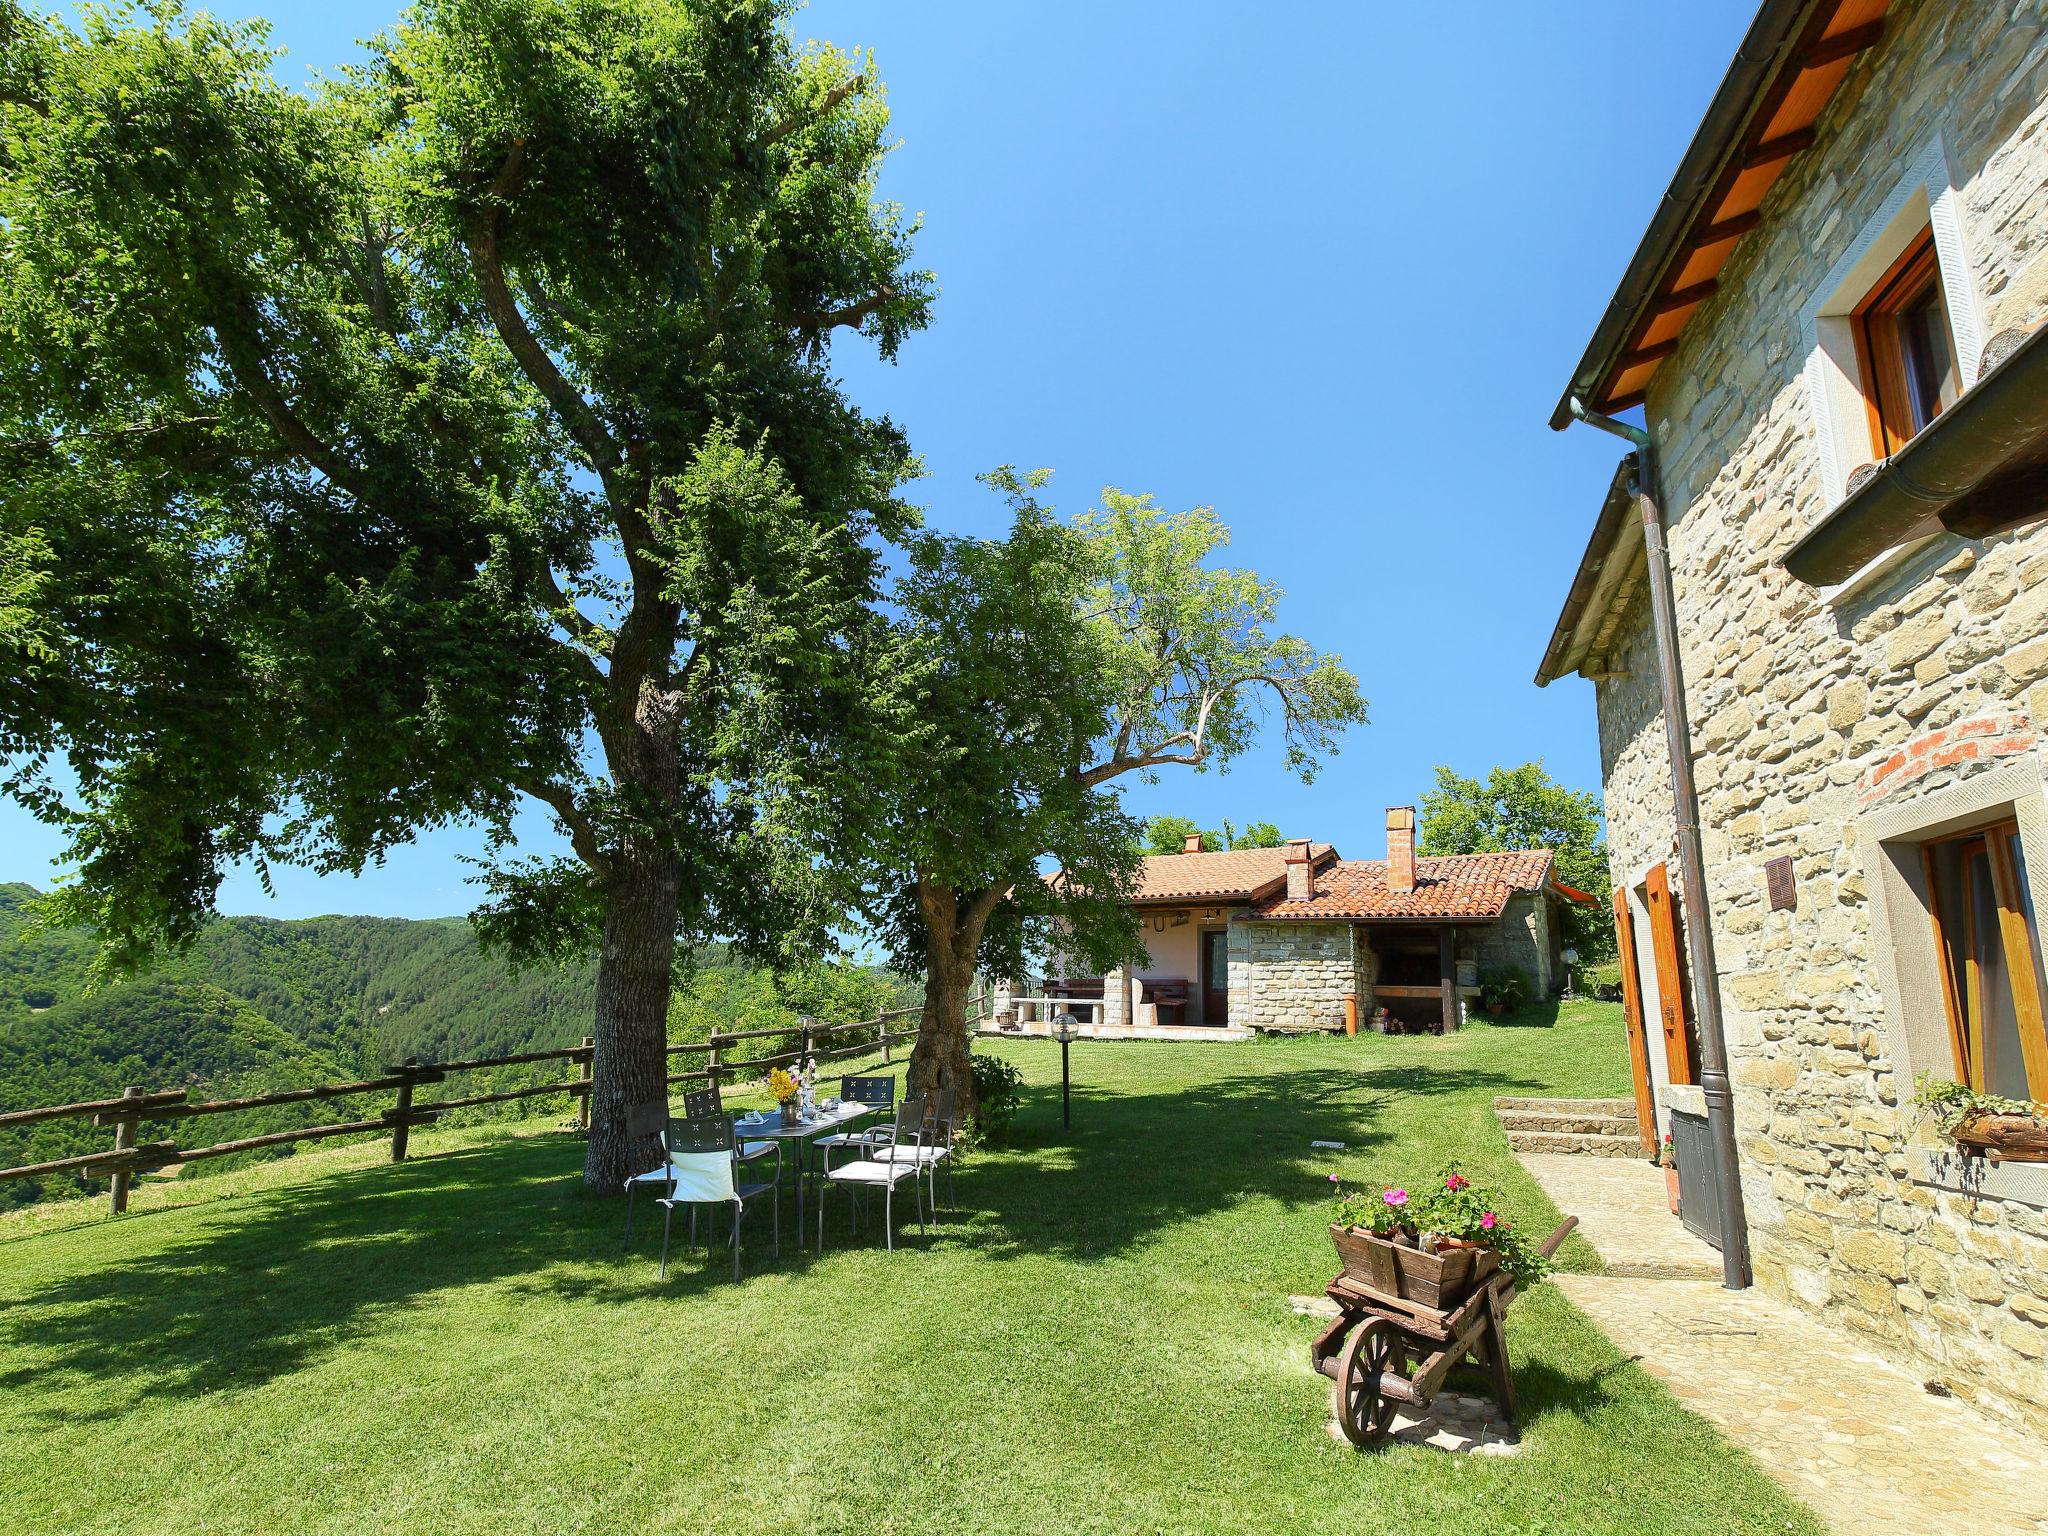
[[125, 1114]]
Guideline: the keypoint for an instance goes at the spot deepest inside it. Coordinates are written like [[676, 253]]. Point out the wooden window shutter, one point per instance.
[[1670, 975], [1632, 1010]]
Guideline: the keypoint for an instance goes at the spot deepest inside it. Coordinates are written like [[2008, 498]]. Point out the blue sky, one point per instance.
[[1323, 267]]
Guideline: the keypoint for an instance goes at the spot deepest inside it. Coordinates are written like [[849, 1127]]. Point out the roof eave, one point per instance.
[[1580, 608], [1765, 50]]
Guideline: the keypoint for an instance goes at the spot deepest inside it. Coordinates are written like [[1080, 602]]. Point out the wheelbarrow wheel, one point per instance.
[[1375, 1349]]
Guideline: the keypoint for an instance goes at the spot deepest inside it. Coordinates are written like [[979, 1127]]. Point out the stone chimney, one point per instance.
[[1301, 872], [1401, 849], [1192, 843]]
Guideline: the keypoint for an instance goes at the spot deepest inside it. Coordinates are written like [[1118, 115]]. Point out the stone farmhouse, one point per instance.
[[1814, 610], [1296, 939]]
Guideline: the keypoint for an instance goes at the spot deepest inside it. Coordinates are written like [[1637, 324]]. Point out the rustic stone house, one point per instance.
[[1815, 613], [1295, 939]]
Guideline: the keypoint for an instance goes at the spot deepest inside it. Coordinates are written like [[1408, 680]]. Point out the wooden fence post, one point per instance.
[[882, 1028], [712, 1067], [124, 1141], [583, 1098], [401, 1112], [803, 1043]]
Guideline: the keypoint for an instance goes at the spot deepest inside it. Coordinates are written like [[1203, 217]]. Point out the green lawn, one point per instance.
[[1100, 1343]]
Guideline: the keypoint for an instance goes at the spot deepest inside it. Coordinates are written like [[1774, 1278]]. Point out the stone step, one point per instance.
[[1625, 1108], [1572, 1121], [1581, 1143]]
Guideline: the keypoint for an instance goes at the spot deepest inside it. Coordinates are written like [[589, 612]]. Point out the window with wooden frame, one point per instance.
[[1905, 349], [1988, 944]]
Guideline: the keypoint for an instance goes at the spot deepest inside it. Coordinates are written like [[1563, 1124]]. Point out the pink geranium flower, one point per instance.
[[1487, 1221], [1333, 1178], [1395, 1197], [1456, 1182]]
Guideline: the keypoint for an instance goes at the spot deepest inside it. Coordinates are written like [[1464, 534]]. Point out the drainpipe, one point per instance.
[[1699, 934]]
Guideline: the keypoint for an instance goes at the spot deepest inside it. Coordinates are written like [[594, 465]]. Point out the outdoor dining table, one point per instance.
[[820, 1122]]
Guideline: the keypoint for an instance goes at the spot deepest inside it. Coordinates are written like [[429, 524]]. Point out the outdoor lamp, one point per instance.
[[1066, 1029], [1570, 956]]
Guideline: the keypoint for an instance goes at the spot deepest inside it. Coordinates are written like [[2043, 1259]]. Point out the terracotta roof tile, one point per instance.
[[1243, 874], [1464, 885]]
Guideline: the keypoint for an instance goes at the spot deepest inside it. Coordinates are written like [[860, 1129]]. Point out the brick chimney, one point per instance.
[[1192, 843], [1301, 873], [1401, 849]]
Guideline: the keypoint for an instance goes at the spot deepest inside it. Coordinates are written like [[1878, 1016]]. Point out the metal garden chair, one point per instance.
[[702, 1165], [642, 1121], [703, 1103], [882, 1171]]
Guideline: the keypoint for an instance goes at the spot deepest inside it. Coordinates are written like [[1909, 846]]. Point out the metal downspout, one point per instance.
[[1699, 932]]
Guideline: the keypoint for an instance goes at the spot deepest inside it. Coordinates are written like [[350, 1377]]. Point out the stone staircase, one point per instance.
[[1588, 1127]]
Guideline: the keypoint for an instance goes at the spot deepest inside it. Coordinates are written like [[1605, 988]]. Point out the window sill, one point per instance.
[[1856, 586], [1980, 1178]]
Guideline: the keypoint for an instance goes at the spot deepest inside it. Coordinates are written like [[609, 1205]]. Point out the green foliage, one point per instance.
[[461, 429], [253, 1006], [1449, 1206], [1601, 980], [1169, 834], [986, 689], [1523, 807], [998, 1083], [1195, 665], [1951, 1103], [1504, 987]]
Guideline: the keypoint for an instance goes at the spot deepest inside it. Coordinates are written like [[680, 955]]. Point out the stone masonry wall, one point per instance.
[[1519, 940], [1798, 703], [1297, 975]]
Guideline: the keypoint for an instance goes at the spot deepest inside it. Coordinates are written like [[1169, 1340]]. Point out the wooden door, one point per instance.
[[1671, 1009], [1216, 979], [1632, 1010]]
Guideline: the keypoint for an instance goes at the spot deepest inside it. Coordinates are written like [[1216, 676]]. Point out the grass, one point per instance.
[[1101, 1342]]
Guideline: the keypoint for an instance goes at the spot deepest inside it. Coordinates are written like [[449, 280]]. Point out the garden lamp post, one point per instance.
[[1066, 1029], [1571, 961]]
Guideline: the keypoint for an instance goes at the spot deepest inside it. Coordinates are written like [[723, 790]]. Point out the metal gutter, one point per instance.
[[1715, 1085], [1979, 468], [1778, 26]]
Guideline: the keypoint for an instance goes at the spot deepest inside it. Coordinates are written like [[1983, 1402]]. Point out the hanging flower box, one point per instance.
[[1395, 1267], [2004, 1138]]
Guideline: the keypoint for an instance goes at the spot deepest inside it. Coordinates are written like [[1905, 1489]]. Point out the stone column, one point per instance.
[[1116, 999]]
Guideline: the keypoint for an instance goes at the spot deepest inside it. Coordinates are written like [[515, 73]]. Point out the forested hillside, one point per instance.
[[258, 1005]]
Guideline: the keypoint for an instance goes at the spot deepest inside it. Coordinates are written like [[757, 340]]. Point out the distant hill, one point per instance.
[[257, 1004]]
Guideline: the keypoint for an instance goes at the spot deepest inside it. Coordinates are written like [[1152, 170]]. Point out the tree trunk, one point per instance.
[[940, 1058], [629, 1064]]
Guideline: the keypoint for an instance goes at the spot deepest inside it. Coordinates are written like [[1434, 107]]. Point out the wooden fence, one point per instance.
[[126, 1114]]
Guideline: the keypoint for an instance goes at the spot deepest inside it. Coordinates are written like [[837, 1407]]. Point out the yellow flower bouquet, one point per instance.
[[782, 1086]]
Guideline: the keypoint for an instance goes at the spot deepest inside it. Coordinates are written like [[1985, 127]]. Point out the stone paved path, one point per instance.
[[1624, 1213], [1857, 1440]]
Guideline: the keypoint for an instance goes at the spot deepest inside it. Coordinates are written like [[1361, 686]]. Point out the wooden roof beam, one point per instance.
[[1684, 298], [1656, 352], [1783, 147], [1727, 229], [1843, 45]]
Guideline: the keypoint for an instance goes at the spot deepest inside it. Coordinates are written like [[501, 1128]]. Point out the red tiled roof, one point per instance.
[[1240, 875], [1465, 885]]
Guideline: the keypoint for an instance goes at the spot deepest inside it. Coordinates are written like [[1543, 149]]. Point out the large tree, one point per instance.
[[1163, 659], [456, 432], [1524, 807]]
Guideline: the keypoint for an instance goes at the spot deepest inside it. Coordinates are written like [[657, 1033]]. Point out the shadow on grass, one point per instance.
[[1541, 1015], [259, 1287]]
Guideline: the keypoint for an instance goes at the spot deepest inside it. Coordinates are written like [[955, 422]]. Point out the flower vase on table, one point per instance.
[[787, 1096]]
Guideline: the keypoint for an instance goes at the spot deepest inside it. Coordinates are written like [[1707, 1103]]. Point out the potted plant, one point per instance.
[[1430, 1246], [1502, 990], [785, 1088], [1987, 1124], [1667, 1155]]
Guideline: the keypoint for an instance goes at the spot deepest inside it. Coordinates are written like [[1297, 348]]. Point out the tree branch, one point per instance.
[[248, 371], [486, 263], [846, 314], [796, 120], [582, 835]]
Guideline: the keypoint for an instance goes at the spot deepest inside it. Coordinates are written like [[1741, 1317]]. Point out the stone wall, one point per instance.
[[1520, 940], [1297, 975], [1799, 700]]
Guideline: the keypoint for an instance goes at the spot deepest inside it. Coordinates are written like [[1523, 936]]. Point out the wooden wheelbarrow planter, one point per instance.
[[1407, 1319]]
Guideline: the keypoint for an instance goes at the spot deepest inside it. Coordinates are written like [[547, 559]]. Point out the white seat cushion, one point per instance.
[[917, 1156], [651, 1176], [870, 1172], [753, 1149]]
